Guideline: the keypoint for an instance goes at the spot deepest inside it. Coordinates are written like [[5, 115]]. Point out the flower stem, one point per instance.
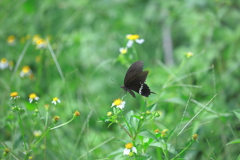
[[63, 124], [184, 149], [22, 130]]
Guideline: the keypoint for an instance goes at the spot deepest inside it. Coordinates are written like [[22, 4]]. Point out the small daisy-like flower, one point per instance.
[[55, 119], [118, 103], [32, 97], [14, 95], [188, 54], [46, 107], [157, 131], [123, 50], [76, 113], [56, 100], [26, 71], [11, 40], [133, 37], [129, 149], [4, 63], [109, 113], [195, 136], [41, 43], [164, 133], [37, 133]]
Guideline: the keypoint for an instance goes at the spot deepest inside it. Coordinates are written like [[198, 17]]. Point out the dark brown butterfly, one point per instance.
[[135, 80]]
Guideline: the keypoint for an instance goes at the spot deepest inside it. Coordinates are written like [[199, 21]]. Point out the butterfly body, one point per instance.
[[135, 80]]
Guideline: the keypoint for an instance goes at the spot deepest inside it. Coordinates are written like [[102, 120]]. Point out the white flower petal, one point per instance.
[[122, 105], [139, 41], [129, 43], [134, 149], [126, 151], [112, 104]]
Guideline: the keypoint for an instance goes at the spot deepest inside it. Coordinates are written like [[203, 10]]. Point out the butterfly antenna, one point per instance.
[[114, 82]]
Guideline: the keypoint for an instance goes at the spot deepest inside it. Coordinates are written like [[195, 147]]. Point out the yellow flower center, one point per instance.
[[128, 145], [3, 60], [132, 36], [157, 131], [14, 94], [55, 99], [11, 39], [109, 113], [117, 102], [32, 95], [25, 69], [123, 50], [189, 54], [40, 41]]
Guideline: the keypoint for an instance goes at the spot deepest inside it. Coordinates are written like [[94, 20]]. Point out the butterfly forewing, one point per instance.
[[135, 68]]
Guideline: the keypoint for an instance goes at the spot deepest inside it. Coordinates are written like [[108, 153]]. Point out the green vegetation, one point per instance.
[[66, 53]]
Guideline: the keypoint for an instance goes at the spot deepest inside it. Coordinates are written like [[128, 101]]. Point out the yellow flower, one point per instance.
[[56, 118], [157, 131], [56, 100], [129, 149], [188, 54], [11, 40], [195, 136], [14, 95], [118, 103], [109, 113], [133, 37], [37, 133], [32, 97], [26, 71], [76, 113], [4, 63], [41, 43], [123, 50], [164, 133]]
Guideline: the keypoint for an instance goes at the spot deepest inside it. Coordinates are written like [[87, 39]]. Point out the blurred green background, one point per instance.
[[86, 36]]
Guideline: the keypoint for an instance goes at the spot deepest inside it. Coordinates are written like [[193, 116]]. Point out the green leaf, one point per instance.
[[237, 114], [152, 107], [148, 134], [233, 142], [162, 145]]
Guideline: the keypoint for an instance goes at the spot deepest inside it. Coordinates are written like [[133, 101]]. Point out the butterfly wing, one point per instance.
[[134, 69], [137, 84], [135, 80]]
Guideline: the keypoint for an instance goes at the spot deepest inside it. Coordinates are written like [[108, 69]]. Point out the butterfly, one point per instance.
[[135, 80]]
